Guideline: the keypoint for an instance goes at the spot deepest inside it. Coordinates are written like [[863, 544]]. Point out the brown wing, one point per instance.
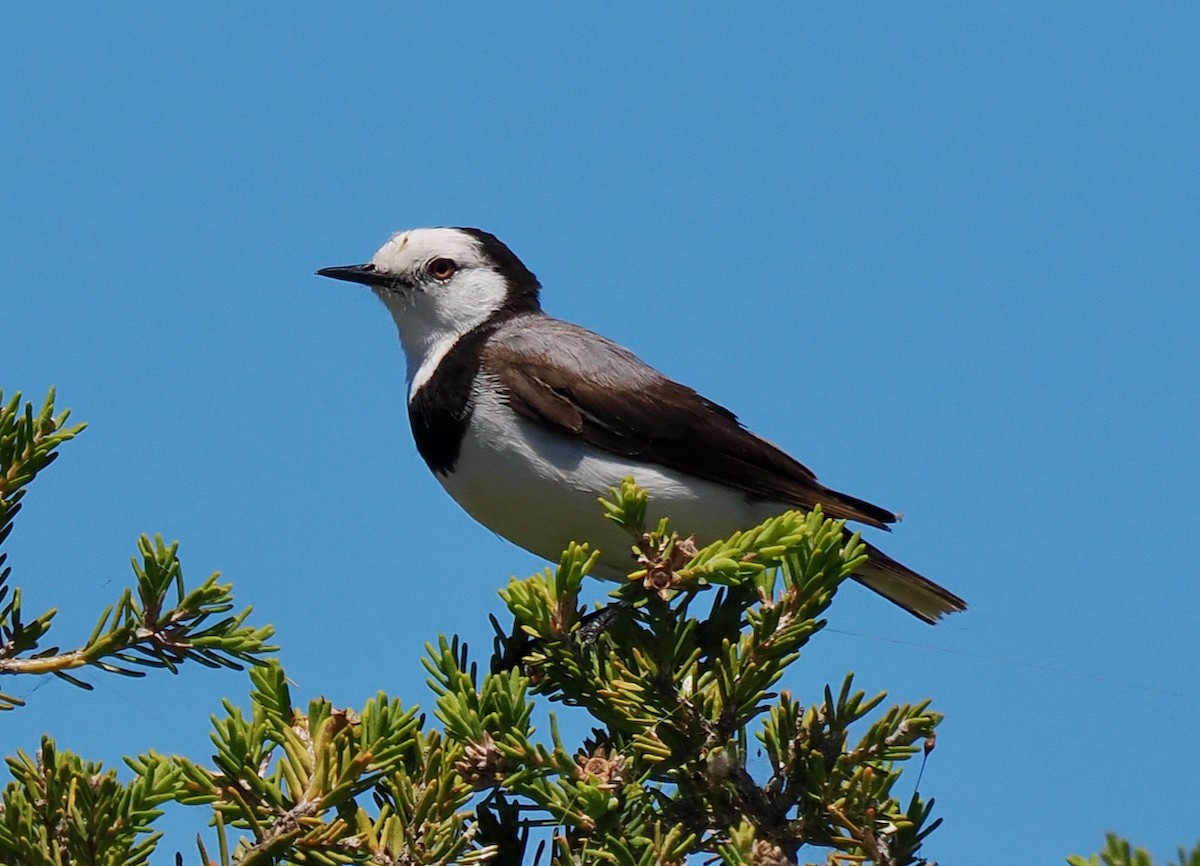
[[627, 408]]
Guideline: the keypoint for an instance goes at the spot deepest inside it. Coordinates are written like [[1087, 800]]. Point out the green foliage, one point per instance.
[[59, 809], [158, 624], [677, 694], [28, 444], [1119, 852], [294, 780], [678, 675]]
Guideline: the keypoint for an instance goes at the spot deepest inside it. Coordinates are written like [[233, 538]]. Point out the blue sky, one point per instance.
[[945, 254]]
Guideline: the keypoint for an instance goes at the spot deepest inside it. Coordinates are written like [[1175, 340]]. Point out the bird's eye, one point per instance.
[[442, 269]]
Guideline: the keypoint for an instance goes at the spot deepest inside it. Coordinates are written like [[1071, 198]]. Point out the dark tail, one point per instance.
[[900, 585]]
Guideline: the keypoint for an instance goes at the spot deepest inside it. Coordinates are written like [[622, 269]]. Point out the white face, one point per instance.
[[445, 286]]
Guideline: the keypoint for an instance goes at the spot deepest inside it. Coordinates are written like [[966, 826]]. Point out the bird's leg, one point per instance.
[[597, 622], [511, 652]]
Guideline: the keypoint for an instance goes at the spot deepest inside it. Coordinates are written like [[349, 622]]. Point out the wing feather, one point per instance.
[[612, 400]]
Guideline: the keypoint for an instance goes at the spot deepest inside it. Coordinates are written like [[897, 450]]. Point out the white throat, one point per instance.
[[431, 321], [433, 314]]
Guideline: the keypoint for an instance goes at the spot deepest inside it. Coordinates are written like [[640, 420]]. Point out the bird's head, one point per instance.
[[439, 283]]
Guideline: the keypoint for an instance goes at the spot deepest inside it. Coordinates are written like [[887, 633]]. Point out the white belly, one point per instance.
[[540, 491]]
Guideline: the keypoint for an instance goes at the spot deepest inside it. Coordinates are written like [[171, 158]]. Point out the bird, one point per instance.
[[526, 420]]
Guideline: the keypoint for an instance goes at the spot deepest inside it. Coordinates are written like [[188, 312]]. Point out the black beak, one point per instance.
[[365, 274]]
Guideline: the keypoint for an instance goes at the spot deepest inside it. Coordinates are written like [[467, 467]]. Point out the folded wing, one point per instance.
[[657, 420]]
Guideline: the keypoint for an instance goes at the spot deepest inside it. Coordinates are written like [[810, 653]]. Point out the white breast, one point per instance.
[[540, 490]]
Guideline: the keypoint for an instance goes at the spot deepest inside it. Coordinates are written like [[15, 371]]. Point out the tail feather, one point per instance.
[[900, 585]]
